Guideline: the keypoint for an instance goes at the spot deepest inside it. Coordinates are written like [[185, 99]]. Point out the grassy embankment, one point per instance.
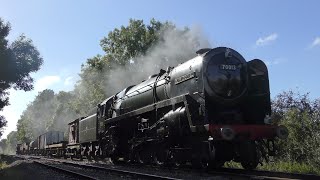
[[291, 167], [3, 163]]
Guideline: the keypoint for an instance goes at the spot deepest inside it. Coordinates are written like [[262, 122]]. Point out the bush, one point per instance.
[[281, 166], [301, 116], [292, 167]]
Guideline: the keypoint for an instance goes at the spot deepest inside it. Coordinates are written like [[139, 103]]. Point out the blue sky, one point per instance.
[[285, 34]]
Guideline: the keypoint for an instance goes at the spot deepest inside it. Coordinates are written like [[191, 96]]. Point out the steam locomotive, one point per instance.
[[211, 109]]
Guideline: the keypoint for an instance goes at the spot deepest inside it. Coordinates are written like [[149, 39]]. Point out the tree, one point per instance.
[[38, 117], [3, 145], [48, 111], [125, 43], [17, 61], [11, 142], [302, 118], [131, 54], [63, 113], [8, 146]]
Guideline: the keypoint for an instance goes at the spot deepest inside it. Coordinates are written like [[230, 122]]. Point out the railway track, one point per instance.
[[66, 171], [115, 171], [246, 174], [125, 170]]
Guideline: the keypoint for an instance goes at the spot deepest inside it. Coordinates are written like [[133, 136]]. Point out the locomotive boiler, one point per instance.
[[211, 109]]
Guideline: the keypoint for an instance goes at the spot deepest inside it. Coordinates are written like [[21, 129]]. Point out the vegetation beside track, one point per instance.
[[282, 166]]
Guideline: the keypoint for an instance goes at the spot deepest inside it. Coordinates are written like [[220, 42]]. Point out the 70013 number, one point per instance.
[[228, 67]]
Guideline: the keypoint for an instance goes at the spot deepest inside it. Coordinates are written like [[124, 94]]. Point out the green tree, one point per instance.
[[11, 143], [301, 116], [17, 61], [90, 89], [3, 145], [131, 54], [38, 117], [24, 129], [119, 46], [131, 41], [49, 111], [63, 112]]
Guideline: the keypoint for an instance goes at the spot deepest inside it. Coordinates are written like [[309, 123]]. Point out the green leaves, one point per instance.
[[131, 41], [301, 116], [17, 61], [120, 46], [131, 54], [8, 146], [49, 111]]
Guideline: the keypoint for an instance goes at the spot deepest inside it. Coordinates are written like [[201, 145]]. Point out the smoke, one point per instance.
[[176, 46]]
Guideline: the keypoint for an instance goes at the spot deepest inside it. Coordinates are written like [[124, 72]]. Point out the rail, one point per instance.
[[124, 172], [233, 172], [72, 173]]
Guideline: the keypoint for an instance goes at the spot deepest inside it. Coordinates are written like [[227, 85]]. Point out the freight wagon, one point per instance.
[[51, 143]]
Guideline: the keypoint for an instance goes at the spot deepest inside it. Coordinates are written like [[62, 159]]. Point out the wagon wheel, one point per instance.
[[160, 157], [64, 154], [144, 157], [250, 155], [114, 159], [80, 156], [199, 163], [75, 154], [130, 156], [249, 165], [216, 164], [180, 163], [111, 144], [88, 157]]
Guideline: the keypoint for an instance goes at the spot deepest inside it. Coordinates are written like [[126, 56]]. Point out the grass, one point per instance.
[[3, 163], [291, 167]]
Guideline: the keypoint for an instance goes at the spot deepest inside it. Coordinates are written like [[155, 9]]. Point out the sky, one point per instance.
[[284, 34]]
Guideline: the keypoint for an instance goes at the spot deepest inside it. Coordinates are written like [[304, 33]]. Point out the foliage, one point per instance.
[[125, 43], [17, 61], [292, 167], [301, 116], [3, 145], [49, 111], [3, 164], [281, 166], [6, 161], [119, 46], [131, 53], [90, 89], [300, 152], [11, 142], [8, 146]]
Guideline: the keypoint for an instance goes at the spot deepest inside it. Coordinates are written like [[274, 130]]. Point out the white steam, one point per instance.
[[175, 48]]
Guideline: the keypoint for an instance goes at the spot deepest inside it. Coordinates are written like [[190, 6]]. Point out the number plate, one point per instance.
[[228, 67]]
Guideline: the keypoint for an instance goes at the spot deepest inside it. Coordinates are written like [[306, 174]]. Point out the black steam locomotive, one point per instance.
[[211, 109]]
